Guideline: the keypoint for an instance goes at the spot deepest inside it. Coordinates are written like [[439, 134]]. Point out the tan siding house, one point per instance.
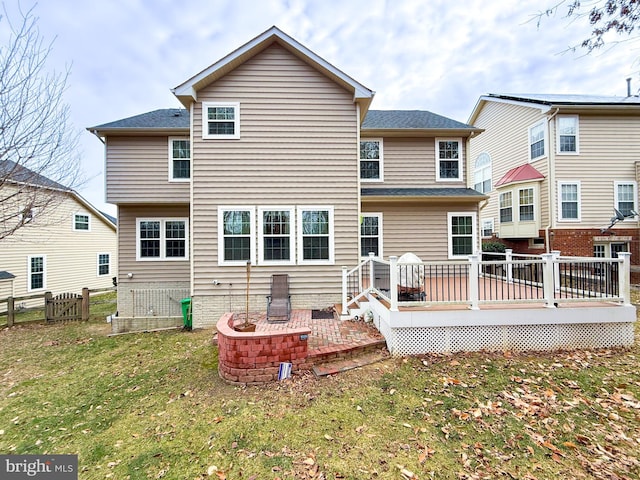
[[289, 170]]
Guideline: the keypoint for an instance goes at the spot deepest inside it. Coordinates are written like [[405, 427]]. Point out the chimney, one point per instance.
[[629, 87]]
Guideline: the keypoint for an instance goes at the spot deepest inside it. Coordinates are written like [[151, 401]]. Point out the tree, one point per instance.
[[39, 158]]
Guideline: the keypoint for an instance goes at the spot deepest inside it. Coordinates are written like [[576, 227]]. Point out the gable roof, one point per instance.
[[523, 173], [187, 91], [414, 120]]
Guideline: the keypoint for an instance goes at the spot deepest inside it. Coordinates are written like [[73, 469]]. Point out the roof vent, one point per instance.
[[177, 113], [629, 87]]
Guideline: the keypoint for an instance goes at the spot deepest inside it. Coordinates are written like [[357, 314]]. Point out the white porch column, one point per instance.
[[345, 309], [547, 268], [556, 269], [624, 277], [508, 256], [372, 276], [474, 270], [393, 282]]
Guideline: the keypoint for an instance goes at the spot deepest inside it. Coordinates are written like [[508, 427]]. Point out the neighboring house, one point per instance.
[[64, 245], [556, 169], [276, 159]]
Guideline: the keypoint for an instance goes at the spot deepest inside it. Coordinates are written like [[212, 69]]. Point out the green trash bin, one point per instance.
[[186, 313]]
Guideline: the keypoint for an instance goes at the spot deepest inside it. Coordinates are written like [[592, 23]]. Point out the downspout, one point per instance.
[[551, 186]]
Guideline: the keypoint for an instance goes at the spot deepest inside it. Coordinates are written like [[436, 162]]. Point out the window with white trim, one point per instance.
[[162, 239], [371, 234], [482, 173], [448, 159], [276, 242], [461, 238], [625, 197], [315, 235], [506, 207], [37, 272], [569, 204], [179, 159], [220, 120], [537, 140], [81, 222], [487, 227], [26, 215], [567, 134], [236, 227], [526, 210], [104, 264], [371, 160]]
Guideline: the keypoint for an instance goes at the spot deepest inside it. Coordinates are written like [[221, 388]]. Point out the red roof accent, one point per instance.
[[522, 173]]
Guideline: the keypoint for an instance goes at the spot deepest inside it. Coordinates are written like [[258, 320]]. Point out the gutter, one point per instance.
[[95, 132]]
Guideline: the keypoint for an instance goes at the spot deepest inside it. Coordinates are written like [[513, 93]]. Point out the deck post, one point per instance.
[[549, 291], [393, 282], [556, 269], [345, 309], [624, 277], [508, 256], [372, 276], [474, 270]]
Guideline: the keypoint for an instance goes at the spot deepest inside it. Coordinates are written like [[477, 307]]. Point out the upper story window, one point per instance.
[[179, 159], [220, 121], [482, 173], [81, 222], [537, 140], [276, 243], [487, 227], [567, 134], [526, 205], [625, 197], [236, 226], [448, 159], [462, 234], [569, 201], [162, 239], [506, 207], [315, 235], [371, 160], [371, 234]]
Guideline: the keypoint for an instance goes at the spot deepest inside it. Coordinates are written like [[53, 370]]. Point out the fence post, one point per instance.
[[549, 291], [10, 311], [556, 269], [624, 277], [393, 282], [85, 303], [372, 277], [474, 270], [48, 306], [508, 257], [345, 310]]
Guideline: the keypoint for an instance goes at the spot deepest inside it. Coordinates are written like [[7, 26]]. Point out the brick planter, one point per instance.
[[255, 357]]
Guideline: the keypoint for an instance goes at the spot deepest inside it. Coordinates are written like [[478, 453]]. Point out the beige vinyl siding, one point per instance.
[[71, 256], [147, 271], [298, 147], [137, 171]]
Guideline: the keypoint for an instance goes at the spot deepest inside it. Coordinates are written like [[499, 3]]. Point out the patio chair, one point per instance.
[[279, 302]]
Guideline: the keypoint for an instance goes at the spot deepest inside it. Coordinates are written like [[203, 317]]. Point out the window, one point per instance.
[[487, 227], [569, 205], [221, 121], [315, 235], [26, 215], [506, 207], [371, 234], [526, 204], [625, 197], [179, 159], [162, 239], [37, 267], [567, 134], [81, 222], [104, 264], [371, 160], [461, 234], [482, 173], [448, 159], [537, 140], [599, 251], [276, 244], [236, 225]]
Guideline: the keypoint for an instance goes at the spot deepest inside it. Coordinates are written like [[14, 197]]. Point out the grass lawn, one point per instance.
[[151, 406]]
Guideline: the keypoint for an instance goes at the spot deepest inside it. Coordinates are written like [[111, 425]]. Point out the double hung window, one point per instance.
[[448, 159], [162, 239]]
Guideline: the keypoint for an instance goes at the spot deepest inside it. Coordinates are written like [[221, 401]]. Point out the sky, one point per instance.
[[125, 56]]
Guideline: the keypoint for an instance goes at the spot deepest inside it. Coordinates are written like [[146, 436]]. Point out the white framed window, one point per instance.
[[487, 227], [569, 201], [482, 173], [220, 120], [179, 159], [371, 234], [371, 160], [104, 264], [526, 205], [236, 229], [626, 197], [448, 159], [26, 215], [462, 234], [162, 239], [81, 222], [37, 272], [567, 140], [276, 235], [315, 235], [506, 207], [538, 140]]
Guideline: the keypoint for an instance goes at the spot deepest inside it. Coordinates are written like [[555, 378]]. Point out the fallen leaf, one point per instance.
[[328, 437]]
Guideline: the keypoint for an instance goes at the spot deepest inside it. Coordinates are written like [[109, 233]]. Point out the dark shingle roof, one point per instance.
[[423, 192], [111, 218], [17, 173], [410, 119], [567, 99], [166, 118], [4, 275]]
